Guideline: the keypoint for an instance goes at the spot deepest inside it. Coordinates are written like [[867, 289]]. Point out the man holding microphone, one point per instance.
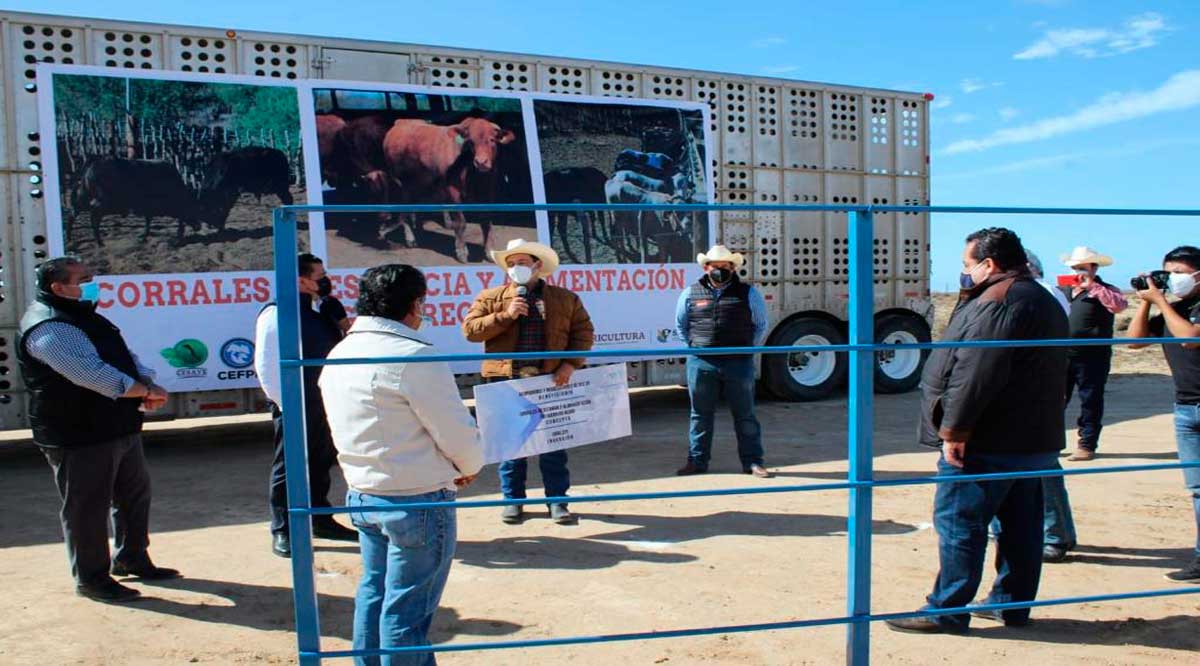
[[529, 315]]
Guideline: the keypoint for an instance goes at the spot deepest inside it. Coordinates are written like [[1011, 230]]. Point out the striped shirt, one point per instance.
[[69, 352]]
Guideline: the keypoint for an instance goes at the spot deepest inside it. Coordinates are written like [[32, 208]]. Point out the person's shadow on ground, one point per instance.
[[270, 608]]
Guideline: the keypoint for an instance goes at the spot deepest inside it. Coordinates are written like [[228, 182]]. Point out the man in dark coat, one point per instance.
[[992, 409]]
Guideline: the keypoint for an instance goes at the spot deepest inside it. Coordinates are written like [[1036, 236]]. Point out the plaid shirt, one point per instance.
[[531, 334]]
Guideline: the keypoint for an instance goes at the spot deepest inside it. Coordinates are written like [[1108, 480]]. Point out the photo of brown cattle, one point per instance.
[[378, 147]]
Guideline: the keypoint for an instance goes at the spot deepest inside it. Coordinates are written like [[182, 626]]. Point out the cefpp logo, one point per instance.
[[186, 357], [237, 353]]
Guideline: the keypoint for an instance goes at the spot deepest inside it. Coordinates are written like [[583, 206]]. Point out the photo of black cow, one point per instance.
[[386, 147], [162, 176], [623, 154]]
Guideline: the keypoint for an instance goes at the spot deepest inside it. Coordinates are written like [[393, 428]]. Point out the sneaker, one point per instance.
[[109, 590], [1188, 574], [922, 625], [561, 515], [512, 514], [1082, 455], [998, 616]]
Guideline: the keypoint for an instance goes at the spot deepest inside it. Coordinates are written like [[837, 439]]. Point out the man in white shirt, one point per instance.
[[402, 435], [318, 335]]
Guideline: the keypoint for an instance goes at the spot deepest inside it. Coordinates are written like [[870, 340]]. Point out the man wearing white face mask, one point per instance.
[[1180, 319], [87, 394], [530, 315]]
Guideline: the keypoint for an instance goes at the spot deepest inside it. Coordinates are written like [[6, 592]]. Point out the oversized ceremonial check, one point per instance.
[[525, 417]]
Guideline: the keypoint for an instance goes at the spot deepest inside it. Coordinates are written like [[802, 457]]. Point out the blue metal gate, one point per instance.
[[860, 479]]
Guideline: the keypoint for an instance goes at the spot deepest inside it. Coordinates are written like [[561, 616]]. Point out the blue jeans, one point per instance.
[[961, 513], [556, 478], [406, 558], [1089, 372], [1058, 525], [1187, 438], [707, 377]]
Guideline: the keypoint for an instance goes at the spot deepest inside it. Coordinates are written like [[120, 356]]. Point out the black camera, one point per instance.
[[1160, 279]]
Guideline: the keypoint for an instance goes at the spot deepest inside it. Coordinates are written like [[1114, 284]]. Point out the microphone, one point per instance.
[[522, 290]]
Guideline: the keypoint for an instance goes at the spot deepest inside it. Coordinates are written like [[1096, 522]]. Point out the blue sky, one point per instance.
[[1038, 102]]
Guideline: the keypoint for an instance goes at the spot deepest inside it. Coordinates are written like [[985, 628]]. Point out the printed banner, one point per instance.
[[164, 184], [526, 417]]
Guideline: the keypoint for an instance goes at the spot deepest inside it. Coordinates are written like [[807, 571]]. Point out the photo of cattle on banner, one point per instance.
[[623, 154], [161, 176], [379, 147]]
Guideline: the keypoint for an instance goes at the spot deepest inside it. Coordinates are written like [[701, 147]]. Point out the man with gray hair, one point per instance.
[[1035, 268]]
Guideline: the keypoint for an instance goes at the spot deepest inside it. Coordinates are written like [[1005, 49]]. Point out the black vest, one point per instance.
[[720, 321], [62, 413], [1089, 319]]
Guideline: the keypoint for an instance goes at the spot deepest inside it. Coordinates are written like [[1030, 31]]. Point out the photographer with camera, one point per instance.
[[1180, 277]]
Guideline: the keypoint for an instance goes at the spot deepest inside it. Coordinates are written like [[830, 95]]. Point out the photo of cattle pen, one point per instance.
[[628, 154], [161, 176], [392, 147]]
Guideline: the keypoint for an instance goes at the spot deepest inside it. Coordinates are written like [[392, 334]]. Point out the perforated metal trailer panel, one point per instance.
[[775, 141]]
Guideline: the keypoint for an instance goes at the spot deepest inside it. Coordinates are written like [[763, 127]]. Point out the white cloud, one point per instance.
[[1139, 32], [768, 42], [780, 69], [1007, 113], [1181, 91], [962, 118], [1129, 150], [972, 85], [942, 102]]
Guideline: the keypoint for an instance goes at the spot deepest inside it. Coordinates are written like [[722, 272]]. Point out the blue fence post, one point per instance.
[[861, 398], [287, 307]]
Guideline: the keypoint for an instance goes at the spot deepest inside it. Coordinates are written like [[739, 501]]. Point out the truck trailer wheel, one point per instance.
[[900, 370], [804, 376]]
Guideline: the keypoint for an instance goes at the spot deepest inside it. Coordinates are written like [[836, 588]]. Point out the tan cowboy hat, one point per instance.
[[720, 253], [1085, 255], [543, 253]]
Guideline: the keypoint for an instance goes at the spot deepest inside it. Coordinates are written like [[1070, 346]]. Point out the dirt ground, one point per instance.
[[243, 245], [628, 566]]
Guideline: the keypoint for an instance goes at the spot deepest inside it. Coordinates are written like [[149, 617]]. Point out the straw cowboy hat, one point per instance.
[[543, 253], [1081, 256], [720, 253]]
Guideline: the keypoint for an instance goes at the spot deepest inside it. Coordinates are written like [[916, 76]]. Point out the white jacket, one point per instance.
[[399, 428]]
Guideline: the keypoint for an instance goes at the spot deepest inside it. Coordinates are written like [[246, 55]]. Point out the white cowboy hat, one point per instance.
[[543, 253], [720, 253], [1085, 255]]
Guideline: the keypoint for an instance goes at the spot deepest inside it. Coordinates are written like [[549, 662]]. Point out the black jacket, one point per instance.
[[998, 400], [1089, 319]]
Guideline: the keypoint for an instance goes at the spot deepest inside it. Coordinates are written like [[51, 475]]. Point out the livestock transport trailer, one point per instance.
[[771, 141]]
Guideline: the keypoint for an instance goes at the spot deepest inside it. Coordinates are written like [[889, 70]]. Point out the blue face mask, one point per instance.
[[89, 292], [967, 280]]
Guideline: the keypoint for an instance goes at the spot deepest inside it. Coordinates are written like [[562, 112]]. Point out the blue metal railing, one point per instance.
[[860, 478]]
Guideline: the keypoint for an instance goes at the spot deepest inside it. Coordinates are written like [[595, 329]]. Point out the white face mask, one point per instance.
[[520, 274], [1182, 284]]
